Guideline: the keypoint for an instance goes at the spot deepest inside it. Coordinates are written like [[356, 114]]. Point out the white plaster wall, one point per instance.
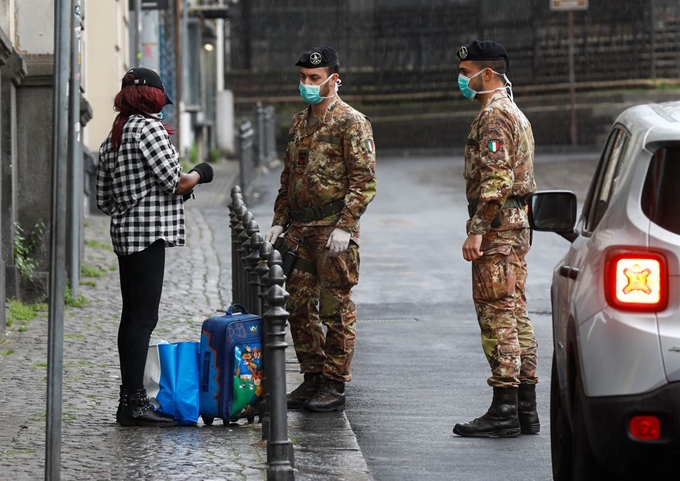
[[34, 26], [7, 19], [105, 54]]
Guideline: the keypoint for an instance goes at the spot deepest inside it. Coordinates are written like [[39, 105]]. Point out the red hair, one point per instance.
[[136, 100]]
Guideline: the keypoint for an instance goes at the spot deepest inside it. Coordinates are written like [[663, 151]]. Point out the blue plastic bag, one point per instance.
[[171, 380]]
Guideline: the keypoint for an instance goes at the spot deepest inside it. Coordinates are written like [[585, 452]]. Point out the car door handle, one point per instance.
[[570, 272]]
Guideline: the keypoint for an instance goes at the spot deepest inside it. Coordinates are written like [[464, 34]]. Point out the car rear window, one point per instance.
[[661, 194]]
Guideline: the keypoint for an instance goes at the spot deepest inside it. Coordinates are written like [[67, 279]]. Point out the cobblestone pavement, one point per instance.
[[197, 285]]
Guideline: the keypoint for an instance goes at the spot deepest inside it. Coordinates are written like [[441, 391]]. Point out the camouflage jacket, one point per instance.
[[499, 163], [334, 160]]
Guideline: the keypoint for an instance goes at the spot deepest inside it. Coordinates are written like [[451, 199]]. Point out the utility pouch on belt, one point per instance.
[[290, 259], [279, 243], [288, 263], [509, 202]]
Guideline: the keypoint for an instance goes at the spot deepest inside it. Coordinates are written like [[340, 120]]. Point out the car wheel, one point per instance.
[[584, 465], [560, 431]]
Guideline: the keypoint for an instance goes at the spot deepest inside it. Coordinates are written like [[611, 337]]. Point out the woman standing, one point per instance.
[[141, 186]]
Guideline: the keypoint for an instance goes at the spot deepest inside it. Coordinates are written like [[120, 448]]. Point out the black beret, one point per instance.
[[483, 50], [318, 57]]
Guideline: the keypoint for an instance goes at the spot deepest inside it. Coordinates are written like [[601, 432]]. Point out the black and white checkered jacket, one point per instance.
[[136, 185]]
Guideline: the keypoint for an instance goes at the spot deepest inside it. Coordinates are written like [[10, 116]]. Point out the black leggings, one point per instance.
[[141, 285]]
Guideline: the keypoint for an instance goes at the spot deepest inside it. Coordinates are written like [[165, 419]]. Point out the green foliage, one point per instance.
[[18, 311], [8, 352], [86, 282], [193, 154], [26, 246], [74, 301], [214, 155], [99, 245], [90, 271]]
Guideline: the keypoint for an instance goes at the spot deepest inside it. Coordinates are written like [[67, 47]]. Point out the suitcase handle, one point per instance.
[[239, 306]]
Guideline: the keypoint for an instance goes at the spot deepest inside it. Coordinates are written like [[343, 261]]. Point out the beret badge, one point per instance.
[[315, 58], [463, 52]]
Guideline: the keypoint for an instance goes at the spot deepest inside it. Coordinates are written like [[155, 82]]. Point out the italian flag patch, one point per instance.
[[494, 146], [370, 146]]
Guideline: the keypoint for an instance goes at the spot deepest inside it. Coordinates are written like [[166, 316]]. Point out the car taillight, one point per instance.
[[636, 281], [645, 428]]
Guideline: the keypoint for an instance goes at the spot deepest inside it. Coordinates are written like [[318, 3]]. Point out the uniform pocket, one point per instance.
[[492, 275]]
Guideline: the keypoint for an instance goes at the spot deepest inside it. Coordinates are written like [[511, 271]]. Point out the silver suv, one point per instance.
[[615, 387]]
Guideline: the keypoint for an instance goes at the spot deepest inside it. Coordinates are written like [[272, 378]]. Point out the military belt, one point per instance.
[[310, 214], [509, 202]]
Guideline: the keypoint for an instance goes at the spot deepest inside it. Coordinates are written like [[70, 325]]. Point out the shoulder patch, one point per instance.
[[370, 145], [494, 145]]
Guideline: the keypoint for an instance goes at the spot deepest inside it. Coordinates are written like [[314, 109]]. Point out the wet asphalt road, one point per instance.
[[419, 367]]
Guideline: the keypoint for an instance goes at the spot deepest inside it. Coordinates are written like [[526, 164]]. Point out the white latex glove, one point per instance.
[[338, 241], [273, 233]]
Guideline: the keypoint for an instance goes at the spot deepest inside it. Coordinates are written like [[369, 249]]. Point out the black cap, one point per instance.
[[145, 76], [484, 50], [318, 57]]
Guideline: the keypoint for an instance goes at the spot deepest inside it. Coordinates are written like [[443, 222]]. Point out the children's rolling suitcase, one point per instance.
[[230, 365]]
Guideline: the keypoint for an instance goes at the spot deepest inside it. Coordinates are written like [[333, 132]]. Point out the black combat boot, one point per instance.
[[500, 421], [331, 397], [121, 401], [138, 411], [309, 387], [528, 417]]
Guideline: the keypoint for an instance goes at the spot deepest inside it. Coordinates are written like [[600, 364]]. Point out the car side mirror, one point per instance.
[[553, 211]]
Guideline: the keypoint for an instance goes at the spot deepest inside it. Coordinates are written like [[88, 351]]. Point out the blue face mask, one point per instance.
[[468, 93], [310, 93], [464, 85]]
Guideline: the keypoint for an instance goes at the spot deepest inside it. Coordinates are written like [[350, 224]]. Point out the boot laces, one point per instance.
[[325, 390], [302, 389]]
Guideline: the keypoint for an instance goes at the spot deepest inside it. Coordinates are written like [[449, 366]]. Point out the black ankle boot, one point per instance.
[[331, 397], [138, 411], [500, 421], [309, 387], [121, 401], [528, 416]]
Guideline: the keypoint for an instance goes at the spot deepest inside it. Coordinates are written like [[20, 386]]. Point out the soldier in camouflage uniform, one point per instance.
[[499, 177], [327, 182]]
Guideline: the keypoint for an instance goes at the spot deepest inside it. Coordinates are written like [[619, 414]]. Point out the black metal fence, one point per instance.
[[257, 283]]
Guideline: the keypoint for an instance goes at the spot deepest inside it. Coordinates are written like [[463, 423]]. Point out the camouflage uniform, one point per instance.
[[331, 160], [499, 156]]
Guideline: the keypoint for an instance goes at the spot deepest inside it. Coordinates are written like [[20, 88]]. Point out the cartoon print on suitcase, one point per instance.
[[231, 366]]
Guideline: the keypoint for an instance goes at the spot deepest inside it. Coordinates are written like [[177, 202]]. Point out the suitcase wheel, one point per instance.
[[251, 419], [207, 420]]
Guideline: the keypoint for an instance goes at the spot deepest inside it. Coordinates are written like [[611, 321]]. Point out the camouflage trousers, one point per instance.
[[322, 299], [498, 289]]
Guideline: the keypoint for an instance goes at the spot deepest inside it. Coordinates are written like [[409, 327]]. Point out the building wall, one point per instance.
[[34, 26], [398, 57], [7, 17], [105, 54], [34, 41]]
